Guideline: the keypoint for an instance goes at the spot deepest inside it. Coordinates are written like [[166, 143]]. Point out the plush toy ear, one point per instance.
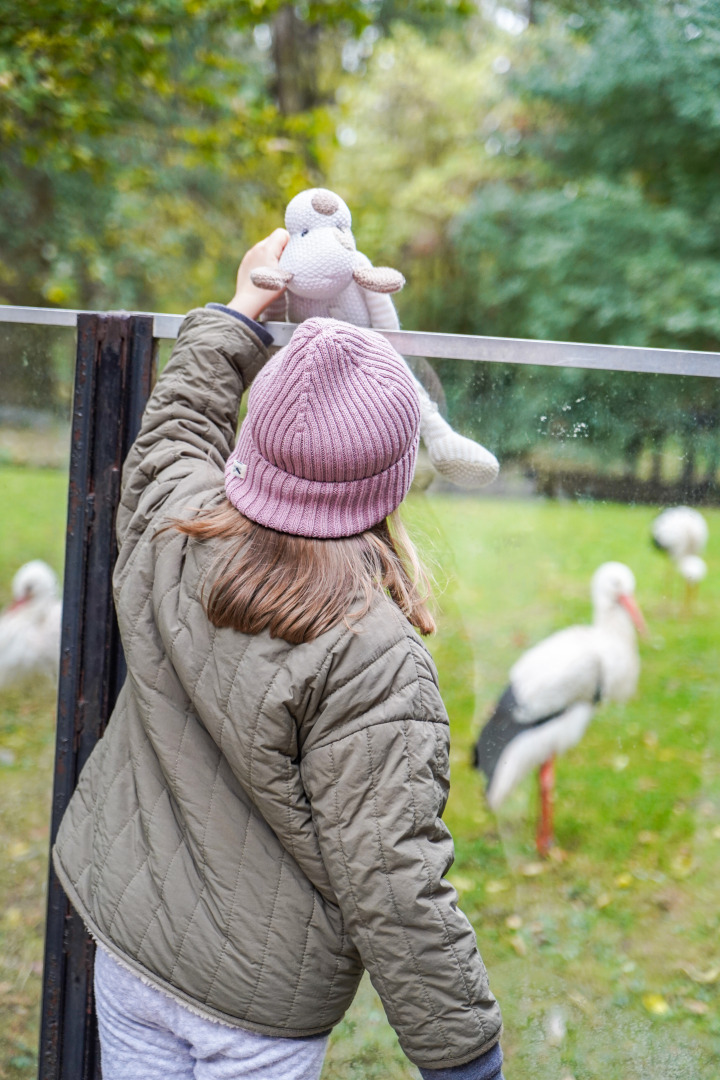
[[270, 278], [380, 279], [325, 202]]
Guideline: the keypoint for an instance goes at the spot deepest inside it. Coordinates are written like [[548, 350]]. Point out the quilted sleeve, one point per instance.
[[191, 417], [377, 794]]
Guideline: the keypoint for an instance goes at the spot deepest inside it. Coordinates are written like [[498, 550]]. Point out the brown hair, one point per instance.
[[298, 587]]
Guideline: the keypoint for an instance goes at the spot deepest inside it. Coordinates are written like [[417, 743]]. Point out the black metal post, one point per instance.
[[116, 357]]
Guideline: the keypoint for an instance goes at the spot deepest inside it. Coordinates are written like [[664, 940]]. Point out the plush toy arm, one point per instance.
[[379, 279], [270, 278], [381, 309]]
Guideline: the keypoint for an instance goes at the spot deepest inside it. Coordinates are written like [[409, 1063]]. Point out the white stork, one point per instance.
[[682, 533], [30, 626], [554, 689]]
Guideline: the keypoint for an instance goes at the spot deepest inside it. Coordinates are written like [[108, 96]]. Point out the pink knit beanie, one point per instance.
[[329, 443]]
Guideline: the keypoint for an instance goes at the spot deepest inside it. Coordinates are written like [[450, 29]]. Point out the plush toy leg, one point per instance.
[[461, 461]]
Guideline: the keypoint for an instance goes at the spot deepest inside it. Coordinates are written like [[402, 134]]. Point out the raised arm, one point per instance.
[[191, 417]]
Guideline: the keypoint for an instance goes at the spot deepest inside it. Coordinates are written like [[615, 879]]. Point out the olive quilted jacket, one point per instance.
[[261, 821]]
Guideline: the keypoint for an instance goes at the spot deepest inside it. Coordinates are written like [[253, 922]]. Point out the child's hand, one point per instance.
[[248, 299]]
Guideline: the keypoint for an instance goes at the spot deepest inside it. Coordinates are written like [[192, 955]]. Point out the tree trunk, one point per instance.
[[295, 55]]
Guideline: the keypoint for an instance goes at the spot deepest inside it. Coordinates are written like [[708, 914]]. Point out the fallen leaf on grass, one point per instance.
[[519, 945], [705, 978], [682, 865], [462, 884], [646, 836], [604, 900], [624, 880], [532, 869], [700, 1008], [650, 739], [514, 922], [555, 1028], [646, 783], [655, 1004], [495, 886], [13, 917], [620, 762], [18, 849], [581, 1001], [716, 832], [557, 855]]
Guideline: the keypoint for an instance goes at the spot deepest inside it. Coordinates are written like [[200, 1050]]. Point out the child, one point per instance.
[[261, 820]]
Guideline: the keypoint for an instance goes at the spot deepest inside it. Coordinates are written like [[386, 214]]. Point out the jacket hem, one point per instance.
[[206, 1012]]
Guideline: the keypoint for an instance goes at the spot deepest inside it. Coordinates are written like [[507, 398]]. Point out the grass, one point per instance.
[[32, 526], [606, 958]]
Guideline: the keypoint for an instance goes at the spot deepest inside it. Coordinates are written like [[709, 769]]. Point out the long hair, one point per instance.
[[298, 587]]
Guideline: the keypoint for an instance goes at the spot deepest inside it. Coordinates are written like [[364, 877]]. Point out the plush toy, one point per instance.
[[327, 276]]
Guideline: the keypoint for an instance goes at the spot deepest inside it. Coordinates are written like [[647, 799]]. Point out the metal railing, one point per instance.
[[494, 350]]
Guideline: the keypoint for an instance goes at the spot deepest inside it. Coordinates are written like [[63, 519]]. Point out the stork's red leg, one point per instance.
[[544, 839]]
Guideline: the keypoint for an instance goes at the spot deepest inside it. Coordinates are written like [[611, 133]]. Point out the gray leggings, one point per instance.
[[146, 1035]]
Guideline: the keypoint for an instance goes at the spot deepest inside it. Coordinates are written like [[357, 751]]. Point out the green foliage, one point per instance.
[[144, 145], [590, 262], [636, 99], [560, 184], [131, 137], [611, 233]]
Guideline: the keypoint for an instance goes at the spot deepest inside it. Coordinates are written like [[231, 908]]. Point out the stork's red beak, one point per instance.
[[17, 603], [630, 605]]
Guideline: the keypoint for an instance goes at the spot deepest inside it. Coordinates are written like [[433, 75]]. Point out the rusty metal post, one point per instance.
[[116, 357]]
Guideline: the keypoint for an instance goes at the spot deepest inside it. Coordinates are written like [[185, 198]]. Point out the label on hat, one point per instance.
[[239, 469]]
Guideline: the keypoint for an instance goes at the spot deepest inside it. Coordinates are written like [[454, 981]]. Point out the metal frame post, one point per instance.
[[116, 360]]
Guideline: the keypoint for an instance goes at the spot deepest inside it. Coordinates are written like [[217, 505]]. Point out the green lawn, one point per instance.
[[606, 959], [32, 526]]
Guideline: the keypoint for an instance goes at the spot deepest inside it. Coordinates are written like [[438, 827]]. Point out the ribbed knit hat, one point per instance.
[[329, 442]]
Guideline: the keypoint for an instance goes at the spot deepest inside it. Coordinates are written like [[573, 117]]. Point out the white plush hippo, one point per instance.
[[327, 276]]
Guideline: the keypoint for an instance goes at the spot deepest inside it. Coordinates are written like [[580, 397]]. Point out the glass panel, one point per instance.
[[36, 365], [603, 955]]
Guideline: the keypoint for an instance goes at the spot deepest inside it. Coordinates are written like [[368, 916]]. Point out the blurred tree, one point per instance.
[[556, 183], [137, 139], [614, 233], [104, 103]]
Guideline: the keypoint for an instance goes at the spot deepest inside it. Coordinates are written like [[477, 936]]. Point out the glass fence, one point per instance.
[[603, 948], [36, 366]]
